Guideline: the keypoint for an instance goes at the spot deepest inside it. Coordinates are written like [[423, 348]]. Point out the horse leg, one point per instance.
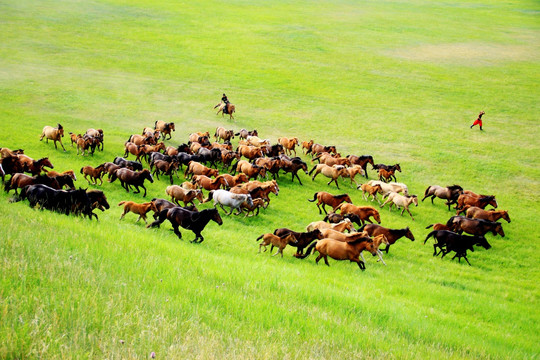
[[360, 263], [144, 190], [318, 258], [408, 212], [326, 260], [296, 174], [60, 141], [379, 254], [176, 230]]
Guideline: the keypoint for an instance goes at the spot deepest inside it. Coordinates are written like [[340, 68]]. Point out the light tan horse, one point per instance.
[[288, 144], [54, 134], [332, 172], [345, 225], [400, 201]]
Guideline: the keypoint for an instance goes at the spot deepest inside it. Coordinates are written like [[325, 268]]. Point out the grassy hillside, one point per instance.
[[401, 81]]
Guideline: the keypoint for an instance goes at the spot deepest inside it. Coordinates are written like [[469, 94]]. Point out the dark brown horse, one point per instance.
[[133, 178], [18, 181], [479, 227], [362, 160], [392, 235], [450, 193], [448, 241], [35, 167], [303, 238], [191, 220], [55, 134], [326, 198]]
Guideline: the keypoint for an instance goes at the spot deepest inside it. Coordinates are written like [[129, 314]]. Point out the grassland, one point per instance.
[[401, 81]]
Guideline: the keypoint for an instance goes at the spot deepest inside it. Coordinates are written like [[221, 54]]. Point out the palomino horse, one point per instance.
[[338, 250], [388, 187], [450, 193], [54, 134], [192, 220], [392, 235], [226, 198], [401, 201], [332, 172], [225, 109], [345, 225], [324, 198]]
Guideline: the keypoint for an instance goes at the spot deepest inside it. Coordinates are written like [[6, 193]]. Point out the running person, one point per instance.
[[476, 122]]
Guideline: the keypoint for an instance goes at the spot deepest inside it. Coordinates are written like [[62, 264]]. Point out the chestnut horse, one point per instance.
[[362, 160], [339, 250], [54, 134], [326, 198], [363, 212], [481, 202], [139, 209]]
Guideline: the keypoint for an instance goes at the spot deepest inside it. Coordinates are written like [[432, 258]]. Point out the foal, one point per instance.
[[139, 209]]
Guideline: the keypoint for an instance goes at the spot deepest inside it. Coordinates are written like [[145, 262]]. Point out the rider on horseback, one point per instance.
[[226, 102]]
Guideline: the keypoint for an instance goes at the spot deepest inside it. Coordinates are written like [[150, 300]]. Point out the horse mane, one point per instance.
[[455, 187], [359, 240], [339, 197]]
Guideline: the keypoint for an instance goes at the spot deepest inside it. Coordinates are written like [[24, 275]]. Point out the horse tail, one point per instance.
[[314, 198], [161, 218], [82, 170], [430, 235], [463, 209], [211, 196], [312, 169], [426, 192], [361, 228], [129, 139], [121, 203], [259, 238], [429, 226], [308, 250], [338, 207]]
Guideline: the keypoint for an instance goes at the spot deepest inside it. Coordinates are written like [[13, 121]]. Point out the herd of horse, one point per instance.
[[237, 186]]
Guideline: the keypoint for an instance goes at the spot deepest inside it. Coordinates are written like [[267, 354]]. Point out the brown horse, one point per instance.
[[19, 181], [324, 198], [481, 202], [196, 168], [479, 227], [450, 193], [225, 109], [35, 167], [303, 238], [256, 205], [478, 213], [5, 152], [139, 209], [345, 225], [363, 212], [207, 183], [71, 174], [371, 191], [249, 152], [54, 134], [387, 175], [252, 171], [177, 194], [392, 235], [438, 226], [133, 178], [306, 146], [330, 160], [288, 144], [362, 160], [339, 250], [94, 173], [277, 241], [235, 180], [332, 172], [224, 134], [164, 128]]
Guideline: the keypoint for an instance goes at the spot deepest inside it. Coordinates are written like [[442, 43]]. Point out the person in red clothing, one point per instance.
[[479, 120]]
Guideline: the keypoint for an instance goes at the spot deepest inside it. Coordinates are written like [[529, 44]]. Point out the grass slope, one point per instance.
[[401, 81]]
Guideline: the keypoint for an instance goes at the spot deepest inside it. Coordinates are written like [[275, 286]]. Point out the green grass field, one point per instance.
[[399, 80]]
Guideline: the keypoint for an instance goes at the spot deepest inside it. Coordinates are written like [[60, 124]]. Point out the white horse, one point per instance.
[[391, 186], [227, 198], [400, 201]]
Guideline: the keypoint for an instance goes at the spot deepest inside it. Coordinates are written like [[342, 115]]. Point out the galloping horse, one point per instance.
[[482, 201], [332, 172], [129, 177], [362, 160], [338, 250], [400, 201], [192, 220], [478, 213], [55, 134], [226, 198], [326, 198], [35, 167], [480, 227], [363, 212], [392, 235], [225, 109], [450, 193]]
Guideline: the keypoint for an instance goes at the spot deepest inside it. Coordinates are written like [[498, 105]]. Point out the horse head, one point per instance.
[[409, 234]]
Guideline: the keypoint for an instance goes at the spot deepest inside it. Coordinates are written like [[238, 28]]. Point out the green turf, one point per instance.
[[399, 80]]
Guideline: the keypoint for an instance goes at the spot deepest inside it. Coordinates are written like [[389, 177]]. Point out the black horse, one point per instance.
[[135, 165], [98, 200], [63, 201], [448, 241], [191, 220]]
